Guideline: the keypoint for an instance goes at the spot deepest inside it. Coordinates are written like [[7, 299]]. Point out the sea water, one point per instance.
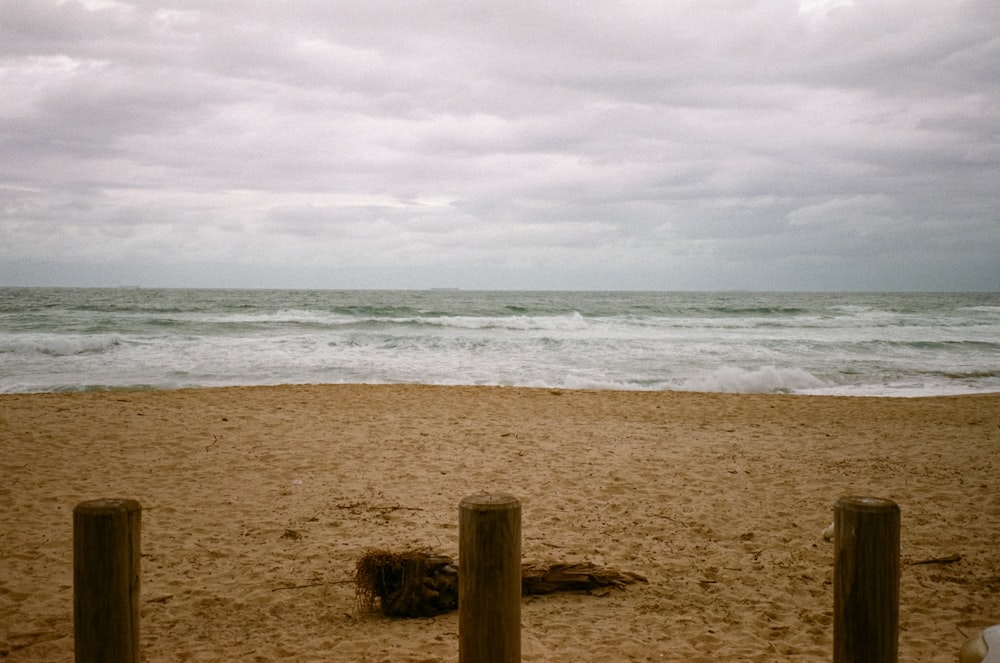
[[891, 344]]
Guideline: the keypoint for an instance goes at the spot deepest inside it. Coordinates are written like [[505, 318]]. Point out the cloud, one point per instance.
[[686, 144]]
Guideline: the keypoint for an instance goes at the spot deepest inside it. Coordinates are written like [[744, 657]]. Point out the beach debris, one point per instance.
[[828, 532], [422, 583], [545, 578], [411, 583], [946, 559], [15, 641], [984, 648], [160, 599]]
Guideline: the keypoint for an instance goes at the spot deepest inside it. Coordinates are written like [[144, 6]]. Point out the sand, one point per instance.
[[258, 501]]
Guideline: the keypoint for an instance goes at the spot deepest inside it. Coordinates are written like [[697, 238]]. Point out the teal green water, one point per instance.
[[55, 339]]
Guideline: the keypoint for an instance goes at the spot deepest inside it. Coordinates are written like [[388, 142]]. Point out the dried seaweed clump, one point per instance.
[[412, 583], [421, 583], [551, 577]]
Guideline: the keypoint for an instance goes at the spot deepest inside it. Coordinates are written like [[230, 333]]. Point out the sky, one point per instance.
[[657, 145]]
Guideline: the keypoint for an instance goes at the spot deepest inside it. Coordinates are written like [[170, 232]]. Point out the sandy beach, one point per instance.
[[257, 502]]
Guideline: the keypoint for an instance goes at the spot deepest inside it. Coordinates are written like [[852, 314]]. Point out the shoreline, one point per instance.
[[258, 500], [861, 391]]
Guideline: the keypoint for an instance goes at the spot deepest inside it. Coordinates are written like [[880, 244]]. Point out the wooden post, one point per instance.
[[106, 581], [865, 580], [489, 579]]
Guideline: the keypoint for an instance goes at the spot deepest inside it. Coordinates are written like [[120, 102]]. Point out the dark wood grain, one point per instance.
[[489, 579], [866, 580], [106, 554]]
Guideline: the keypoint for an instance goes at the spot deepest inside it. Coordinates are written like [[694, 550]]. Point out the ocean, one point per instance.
[[882, 344]]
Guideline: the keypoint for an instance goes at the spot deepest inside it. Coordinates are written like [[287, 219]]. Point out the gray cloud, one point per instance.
[[719, 144]]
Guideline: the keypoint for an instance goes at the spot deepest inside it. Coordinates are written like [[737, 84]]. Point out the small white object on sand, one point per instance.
[[984, 648]]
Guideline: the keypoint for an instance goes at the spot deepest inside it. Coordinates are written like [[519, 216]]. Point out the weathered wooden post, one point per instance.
[[489, 579], [865, 580], [106, 581]]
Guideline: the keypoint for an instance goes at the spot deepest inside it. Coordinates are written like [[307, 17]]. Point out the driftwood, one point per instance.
[[947, 559], [421, 583], [566, 577]]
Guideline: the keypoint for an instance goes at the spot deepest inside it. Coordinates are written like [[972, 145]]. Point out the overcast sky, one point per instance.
[[667, 145]]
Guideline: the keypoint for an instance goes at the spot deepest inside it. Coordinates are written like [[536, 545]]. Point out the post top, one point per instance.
[[107, 504], [489, 502], [866, 504]]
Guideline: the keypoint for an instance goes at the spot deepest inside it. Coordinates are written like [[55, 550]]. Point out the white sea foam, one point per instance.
[[765, 379], [744, 342], [56, 345], [571, 322]]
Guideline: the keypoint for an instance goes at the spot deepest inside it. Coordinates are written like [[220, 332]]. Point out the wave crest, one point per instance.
[[763, 380], [57, 345]]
